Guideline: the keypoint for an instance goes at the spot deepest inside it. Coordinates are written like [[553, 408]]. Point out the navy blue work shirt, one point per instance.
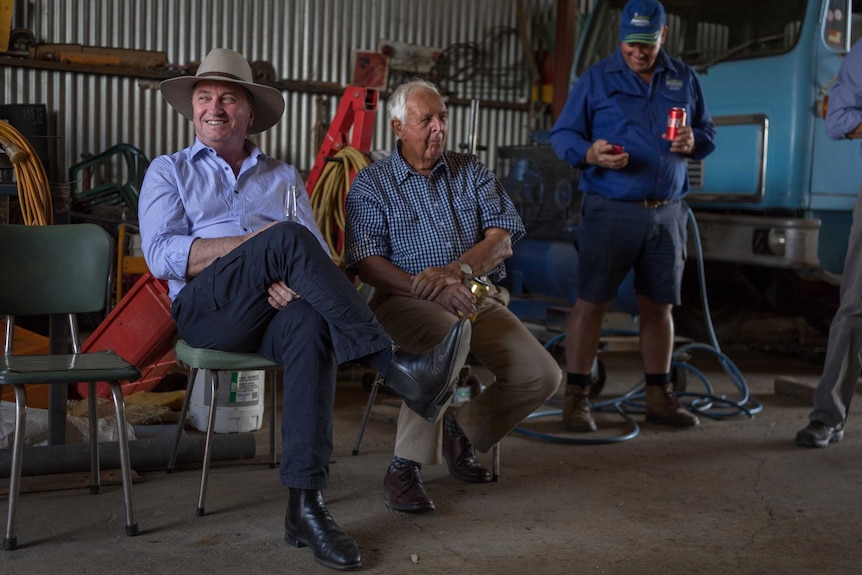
[[610, 101]]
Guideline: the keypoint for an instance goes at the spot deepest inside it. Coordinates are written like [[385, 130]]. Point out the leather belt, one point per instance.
[[652, 204]]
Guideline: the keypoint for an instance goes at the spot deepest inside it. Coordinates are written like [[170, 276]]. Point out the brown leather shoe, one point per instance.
[[403, 491], [461, 459], [663, 407]]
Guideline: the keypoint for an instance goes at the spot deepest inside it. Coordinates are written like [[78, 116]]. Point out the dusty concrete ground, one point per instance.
[[730, 496]]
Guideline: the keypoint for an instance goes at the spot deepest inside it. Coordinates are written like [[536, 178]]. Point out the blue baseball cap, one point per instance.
[[642, 22]]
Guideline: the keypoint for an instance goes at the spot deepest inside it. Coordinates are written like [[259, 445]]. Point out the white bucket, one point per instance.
[[240, 401]]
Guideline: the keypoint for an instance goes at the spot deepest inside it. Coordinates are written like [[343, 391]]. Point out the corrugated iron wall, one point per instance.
[[303, 40]]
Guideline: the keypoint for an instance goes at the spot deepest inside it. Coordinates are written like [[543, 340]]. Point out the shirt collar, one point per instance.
[[617, 63], [199, 147]]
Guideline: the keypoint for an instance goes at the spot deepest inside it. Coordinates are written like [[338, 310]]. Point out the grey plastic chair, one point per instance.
[[60, 270], [212, 361]]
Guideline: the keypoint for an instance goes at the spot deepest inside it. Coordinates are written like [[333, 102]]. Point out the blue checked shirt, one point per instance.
[[417, 222]]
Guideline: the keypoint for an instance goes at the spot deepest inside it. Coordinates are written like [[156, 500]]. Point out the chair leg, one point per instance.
[[212, 376], [272, 375], [10, 540], [181, 423], [95, 473], [125, 459], [371, 397]]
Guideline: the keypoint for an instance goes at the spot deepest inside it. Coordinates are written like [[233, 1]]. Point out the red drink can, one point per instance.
[[675, 119]]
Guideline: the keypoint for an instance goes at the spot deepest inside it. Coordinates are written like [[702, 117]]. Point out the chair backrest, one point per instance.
[[57, 269], [124, 165]]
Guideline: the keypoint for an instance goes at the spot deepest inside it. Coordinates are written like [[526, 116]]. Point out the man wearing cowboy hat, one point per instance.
[[242, 279]]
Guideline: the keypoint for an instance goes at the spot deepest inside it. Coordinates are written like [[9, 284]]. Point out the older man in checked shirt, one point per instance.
[[420, 224]]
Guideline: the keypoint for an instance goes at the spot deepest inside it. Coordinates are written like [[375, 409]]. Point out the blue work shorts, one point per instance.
[[615, 236]]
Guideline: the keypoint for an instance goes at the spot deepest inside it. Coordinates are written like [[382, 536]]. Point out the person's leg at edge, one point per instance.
[[843, 364]]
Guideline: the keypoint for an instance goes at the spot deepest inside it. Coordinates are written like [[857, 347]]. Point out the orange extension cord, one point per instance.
[[34, 193]]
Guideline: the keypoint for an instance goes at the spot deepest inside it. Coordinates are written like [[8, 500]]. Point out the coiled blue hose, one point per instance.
[[705, 404]]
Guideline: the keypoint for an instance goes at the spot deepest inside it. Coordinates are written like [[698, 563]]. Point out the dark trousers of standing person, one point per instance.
[[226, 308], [843, 362]]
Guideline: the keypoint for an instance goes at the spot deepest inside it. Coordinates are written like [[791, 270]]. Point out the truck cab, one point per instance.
[[776, 192]]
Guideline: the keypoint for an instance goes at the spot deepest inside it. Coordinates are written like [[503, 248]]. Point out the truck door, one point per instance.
[[836, 168]]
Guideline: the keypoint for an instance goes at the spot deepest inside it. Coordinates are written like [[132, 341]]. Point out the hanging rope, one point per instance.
[[330, 193], [34, 193]]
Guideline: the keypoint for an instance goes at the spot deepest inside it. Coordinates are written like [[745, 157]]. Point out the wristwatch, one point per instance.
[[465, 269]]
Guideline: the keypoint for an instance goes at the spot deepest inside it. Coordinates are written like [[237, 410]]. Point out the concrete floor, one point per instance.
[[730, 496]]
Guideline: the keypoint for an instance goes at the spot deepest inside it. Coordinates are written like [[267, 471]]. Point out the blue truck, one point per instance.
[[775, 198]]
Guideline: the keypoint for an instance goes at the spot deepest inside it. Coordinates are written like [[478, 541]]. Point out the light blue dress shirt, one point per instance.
[[845, 97], [194, 194]]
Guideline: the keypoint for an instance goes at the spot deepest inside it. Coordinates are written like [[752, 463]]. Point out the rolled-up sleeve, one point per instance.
[[165, 229], [498, 210], [366, 233]]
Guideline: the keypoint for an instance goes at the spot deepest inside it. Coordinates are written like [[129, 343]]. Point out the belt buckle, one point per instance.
[[653, 204]]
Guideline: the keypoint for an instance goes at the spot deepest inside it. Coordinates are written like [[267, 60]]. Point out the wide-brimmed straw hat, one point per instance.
[[226, 66]]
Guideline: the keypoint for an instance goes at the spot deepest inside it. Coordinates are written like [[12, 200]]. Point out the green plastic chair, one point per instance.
[[60, 270], [121, 192], [212, 361]]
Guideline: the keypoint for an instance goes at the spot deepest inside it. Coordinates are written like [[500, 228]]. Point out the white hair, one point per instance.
[[398, 100]]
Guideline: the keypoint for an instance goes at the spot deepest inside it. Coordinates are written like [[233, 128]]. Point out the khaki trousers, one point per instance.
[[526, 374]]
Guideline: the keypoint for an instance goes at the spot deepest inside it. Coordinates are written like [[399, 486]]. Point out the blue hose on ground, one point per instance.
[[705, 404]]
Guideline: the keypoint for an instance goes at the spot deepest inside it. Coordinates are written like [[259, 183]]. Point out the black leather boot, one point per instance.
[[308, 523], [425, 380]]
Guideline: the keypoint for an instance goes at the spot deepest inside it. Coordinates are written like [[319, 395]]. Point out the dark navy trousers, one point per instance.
[[226, 308]]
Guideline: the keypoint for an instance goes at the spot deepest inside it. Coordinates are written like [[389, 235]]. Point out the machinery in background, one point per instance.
[[542, 273]]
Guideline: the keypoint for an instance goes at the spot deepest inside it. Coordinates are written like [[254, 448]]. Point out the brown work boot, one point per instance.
[[663, 407], [576, 409]]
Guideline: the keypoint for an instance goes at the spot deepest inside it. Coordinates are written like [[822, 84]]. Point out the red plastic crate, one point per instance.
[[141, 331]]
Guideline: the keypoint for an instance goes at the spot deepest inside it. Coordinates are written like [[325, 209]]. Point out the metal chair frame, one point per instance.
[[372, 397], [212, 361], [60, 270]]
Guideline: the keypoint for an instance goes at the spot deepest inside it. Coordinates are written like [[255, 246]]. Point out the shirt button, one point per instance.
[[236, 191]]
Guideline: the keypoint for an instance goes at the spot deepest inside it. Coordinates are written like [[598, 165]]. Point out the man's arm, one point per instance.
[[489, 253], [844, 113], [495, 246], [385, 276], [203, 252]]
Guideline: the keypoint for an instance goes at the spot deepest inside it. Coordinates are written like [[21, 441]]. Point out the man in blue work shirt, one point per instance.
[[633, 179], [842, 366]]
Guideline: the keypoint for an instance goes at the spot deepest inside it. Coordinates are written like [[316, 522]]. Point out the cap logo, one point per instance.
[[641, 21]]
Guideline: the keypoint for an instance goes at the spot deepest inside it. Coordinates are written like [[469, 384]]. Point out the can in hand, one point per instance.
[[675, 120], [480, 290]]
